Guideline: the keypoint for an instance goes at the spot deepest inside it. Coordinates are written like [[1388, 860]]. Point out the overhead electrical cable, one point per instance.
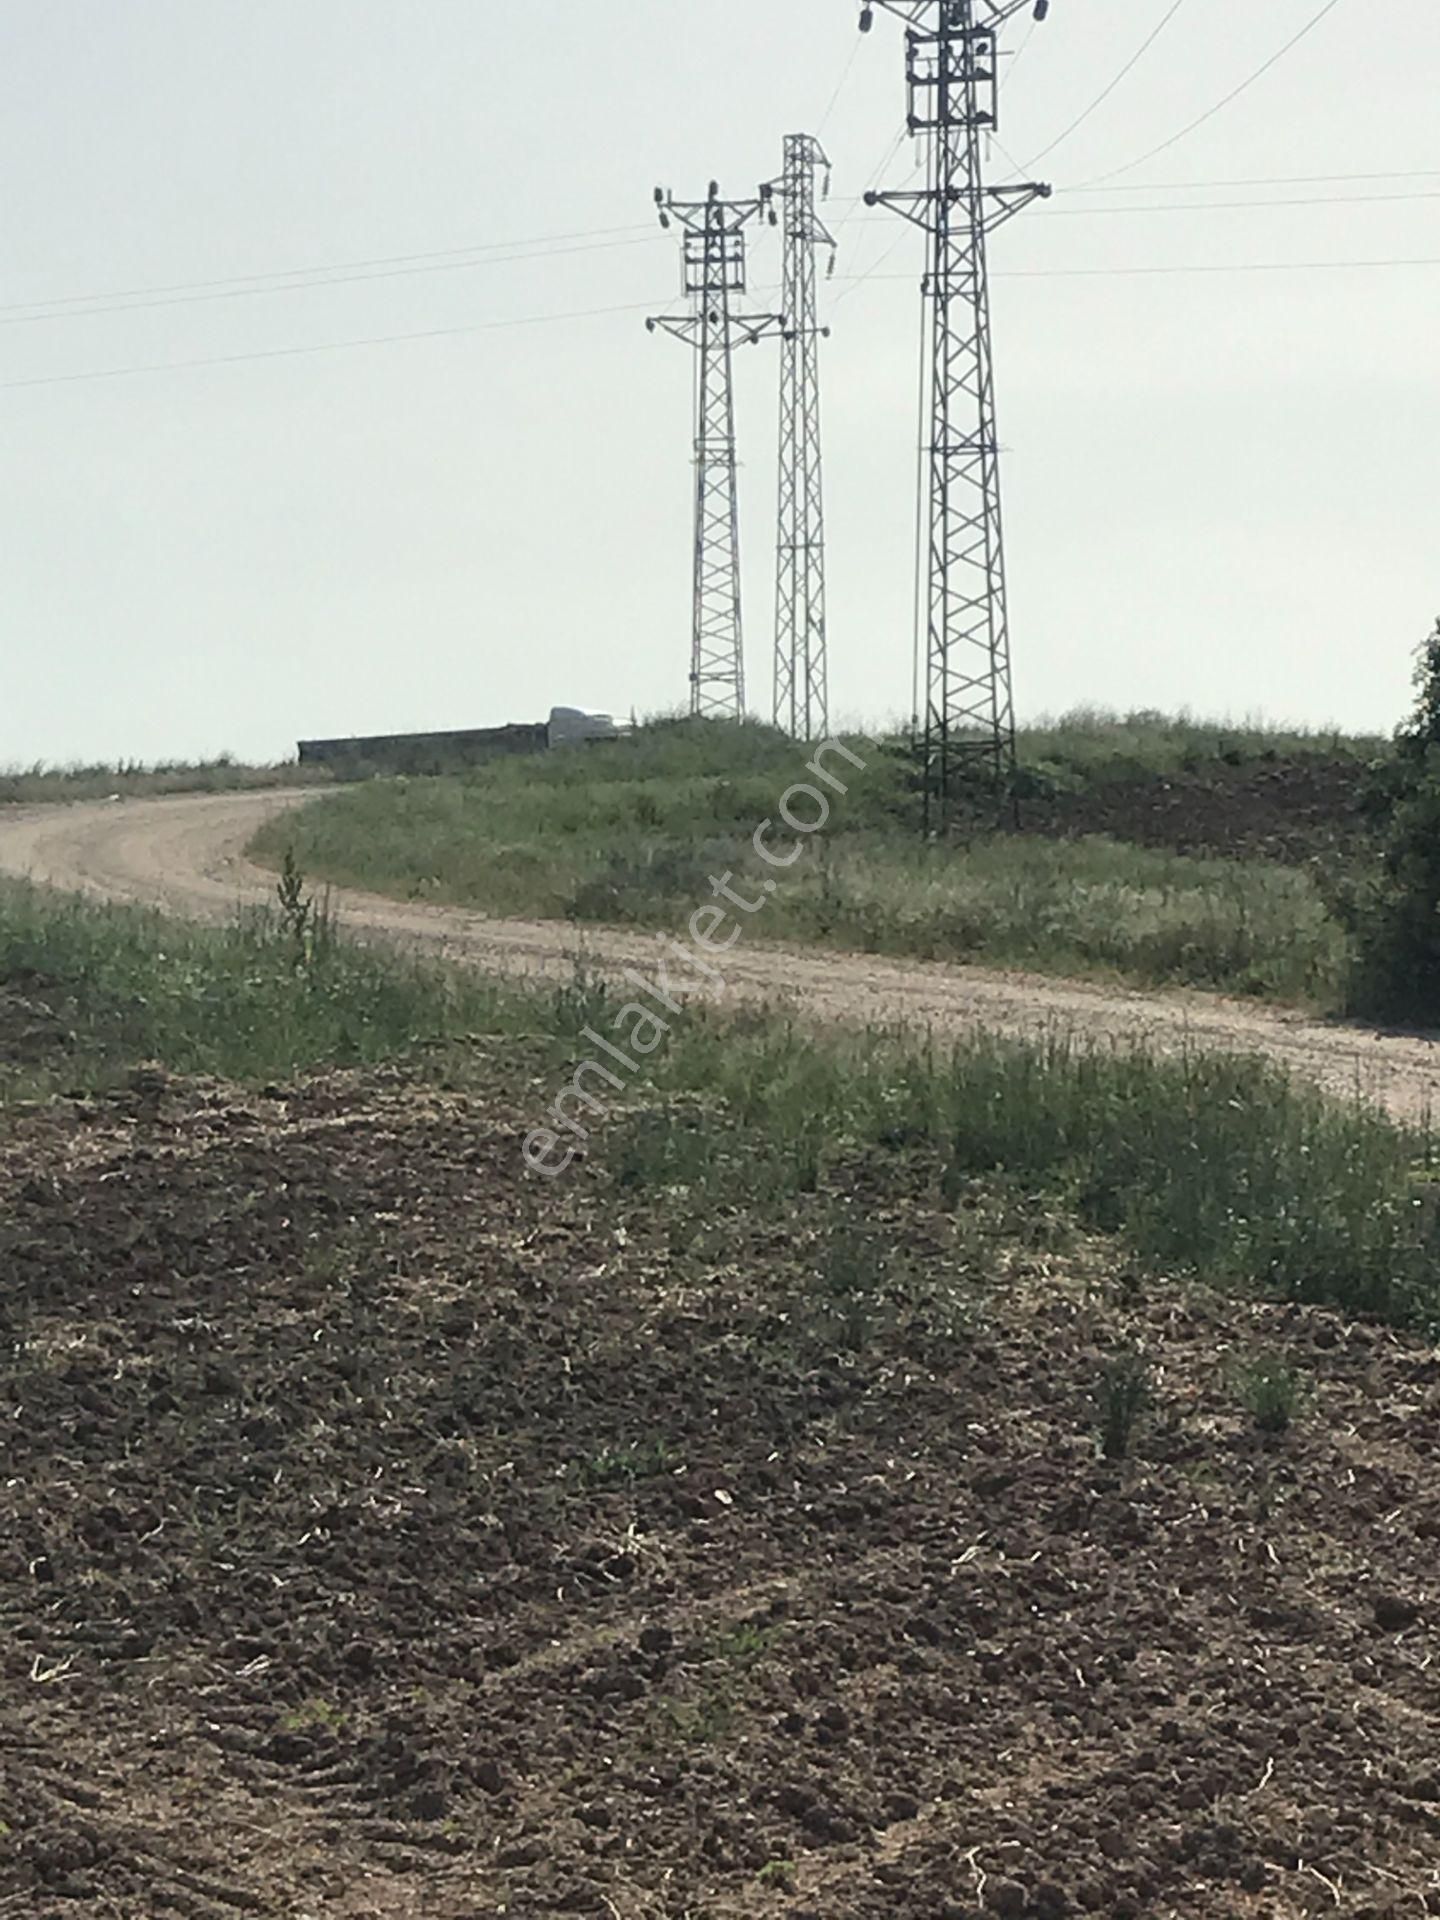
[[1220, 105], [307, 286], [590, 313], [840, 86], [1102, 97], [540, 242], [876, 174], [1222, 266], [1253, 206], [326, 346], [1227, 100], [1270, 180], [1215, 186]]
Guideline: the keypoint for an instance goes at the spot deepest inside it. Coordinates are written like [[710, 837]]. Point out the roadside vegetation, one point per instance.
[[87, 993], [134, 780], [630, 833], [1211, 1165], [1392, 910]]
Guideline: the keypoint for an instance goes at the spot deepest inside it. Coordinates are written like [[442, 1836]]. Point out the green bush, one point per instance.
[[1394, 918]]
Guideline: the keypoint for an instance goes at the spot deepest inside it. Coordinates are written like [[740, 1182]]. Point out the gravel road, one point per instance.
[[187, 856]]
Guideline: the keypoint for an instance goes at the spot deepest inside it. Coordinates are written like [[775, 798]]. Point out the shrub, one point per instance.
[[1395, 919], [1271, 1392], [1124, 1395]]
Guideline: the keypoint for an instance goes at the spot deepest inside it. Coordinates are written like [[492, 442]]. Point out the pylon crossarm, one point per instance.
[[914, 207], [1008, 201], [755, 327], [683, 327]]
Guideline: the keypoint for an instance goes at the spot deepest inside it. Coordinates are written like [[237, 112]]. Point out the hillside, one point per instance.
[[1152, 851]]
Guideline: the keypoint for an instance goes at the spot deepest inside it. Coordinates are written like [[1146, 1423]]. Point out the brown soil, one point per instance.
[[188, 855], [385, 1534], [1289, 810]]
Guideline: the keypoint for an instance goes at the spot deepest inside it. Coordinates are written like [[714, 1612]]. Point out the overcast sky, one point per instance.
[[1222, 488]]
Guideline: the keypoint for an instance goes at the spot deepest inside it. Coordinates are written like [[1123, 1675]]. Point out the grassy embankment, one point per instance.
[[630, 834], [1215, 1166], [133, 780]]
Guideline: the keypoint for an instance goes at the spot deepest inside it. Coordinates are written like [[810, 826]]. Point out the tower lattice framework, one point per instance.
[[952, 76], [802, 672], [714, 237]]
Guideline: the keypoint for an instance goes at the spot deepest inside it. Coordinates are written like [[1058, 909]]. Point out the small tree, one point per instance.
[[1396, 918]]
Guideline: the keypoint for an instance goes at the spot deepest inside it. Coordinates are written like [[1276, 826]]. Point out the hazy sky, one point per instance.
[[1222, 488]]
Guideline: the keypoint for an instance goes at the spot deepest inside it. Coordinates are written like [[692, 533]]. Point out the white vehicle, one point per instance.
[[570, 727]]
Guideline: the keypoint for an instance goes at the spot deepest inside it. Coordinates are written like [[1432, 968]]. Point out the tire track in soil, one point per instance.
[[995, 1646], [186, 855]]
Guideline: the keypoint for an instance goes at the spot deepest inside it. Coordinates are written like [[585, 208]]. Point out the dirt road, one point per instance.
[[187, 855]]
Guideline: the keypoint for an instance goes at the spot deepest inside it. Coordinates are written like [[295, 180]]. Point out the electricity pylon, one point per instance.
[[802, 673], [952, 73], [713, 277]]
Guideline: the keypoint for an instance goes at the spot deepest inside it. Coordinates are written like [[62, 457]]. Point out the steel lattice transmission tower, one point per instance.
[[952, 72], [802, 672], [714, 251]]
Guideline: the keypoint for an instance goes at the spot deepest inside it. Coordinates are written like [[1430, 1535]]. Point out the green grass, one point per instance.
[[631, 834], [87, 992], [37, 785], [1093, 743], [1207, 1165]]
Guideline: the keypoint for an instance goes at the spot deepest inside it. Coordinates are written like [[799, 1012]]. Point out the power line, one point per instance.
[[326, 346], [859, 279], [1101, 98], [877, 172], [232, 291], [1051, 212], [1225, 206], [1212, 186], [840, 86], [1272, 180], [1233, 266], [332, 266], [1220, 105], [1024, 47], [1252, 206], [591, 313]]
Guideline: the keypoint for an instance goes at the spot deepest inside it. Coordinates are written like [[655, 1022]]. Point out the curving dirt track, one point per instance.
[[187, 856]]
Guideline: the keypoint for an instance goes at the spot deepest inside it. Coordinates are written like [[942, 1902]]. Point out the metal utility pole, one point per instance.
[[714, 276], [952, 72], [802, 674]]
